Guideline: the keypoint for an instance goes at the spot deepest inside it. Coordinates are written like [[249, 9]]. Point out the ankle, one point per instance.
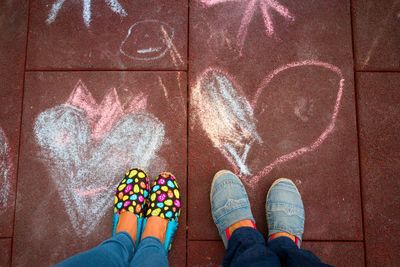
[[240, 224], [280, 234], [127, 223], [155, 227]]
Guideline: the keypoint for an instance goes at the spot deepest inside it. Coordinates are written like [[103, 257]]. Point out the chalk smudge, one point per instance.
[[228, 119], [225, 115], [5, 171], [266, 6], [88, 146], [147, 40], [303, 109], [114, 5]]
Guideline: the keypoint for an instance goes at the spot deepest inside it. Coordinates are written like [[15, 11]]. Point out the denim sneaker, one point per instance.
[[285, 210], [229, 202]]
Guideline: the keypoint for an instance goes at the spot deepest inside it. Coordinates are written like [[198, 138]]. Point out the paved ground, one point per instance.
[[268, 88]]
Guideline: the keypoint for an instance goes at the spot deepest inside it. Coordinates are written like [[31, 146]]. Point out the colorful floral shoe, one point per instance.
[[165, 202], [131, 196]]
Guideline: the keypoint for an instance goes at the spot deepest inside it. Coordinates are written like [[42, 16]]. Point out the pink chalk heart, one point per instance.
[[86, 162], [231, 121]]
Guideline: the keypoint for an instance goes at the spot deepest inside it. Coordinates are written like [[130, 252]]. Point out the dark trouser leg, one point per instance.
[[292, 256], [247, 247]]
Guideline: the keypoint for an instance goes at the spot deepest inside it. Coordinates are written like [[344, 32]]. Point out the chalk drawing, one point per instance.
[[383, 29], [266, 6], [176, 57], [160, 81], [182, 89], [5, 171], [88, 146], [227, 116], [150, 40], [149, 50], [114, 5]]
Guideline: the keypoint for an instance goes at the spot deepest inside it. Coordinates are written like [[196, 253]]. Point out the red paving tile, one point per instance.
[[13, 28], [205, 253], [339, 254], [5, 252], [211, 253], [68, 208], [290, 129], [379, 116], [377, 34], [294, 55], [133, 35]]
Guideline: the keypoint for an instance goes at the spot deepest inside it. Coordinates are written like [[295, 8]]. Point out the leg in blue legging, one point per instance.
[[150, 253], [116, 251], [247, 247], [292, 256]]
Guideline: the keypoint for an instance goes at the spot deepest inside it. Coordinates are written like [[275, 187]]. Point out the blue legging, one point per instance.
[[120, 251], [247, 247]]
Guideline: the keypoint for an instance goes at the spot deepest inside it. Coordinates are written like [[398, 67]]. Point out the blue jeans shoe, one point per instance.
[[229, 202], [285, 210]]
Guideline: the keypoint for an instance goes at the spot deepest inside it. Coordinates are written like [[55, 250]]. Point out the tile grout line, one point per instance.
[[305, 240], [377, 70], [105, 69], [20, 133], [167, 70], [187, 132], [358, 130]]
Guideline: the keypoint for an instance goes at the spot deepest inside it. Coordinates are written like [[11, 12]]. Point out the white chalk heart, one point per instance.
[[85, 170], [228, 117]]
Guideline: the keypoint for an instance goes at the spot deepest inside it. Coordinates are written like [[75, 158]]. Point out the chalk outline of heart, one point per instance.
[[300, 151], [75, 213]]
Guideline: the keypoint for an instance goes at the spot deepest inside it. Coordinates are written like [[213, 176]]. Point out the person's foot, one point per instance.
[[127, 223], [237, 225], [155, 227], [130, 203], [164, 210], [230, 206], [285, 211]]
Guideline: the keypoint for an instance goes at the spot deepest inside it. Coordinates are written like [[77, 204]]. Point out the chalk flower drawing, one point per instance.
[[5, 171], [114, 5], [88, 146], [266, 6], [227, 116]]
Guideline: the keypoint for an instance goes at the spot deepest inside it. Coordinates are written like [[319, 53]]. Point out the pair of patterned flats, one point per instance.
[[162, 199]]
